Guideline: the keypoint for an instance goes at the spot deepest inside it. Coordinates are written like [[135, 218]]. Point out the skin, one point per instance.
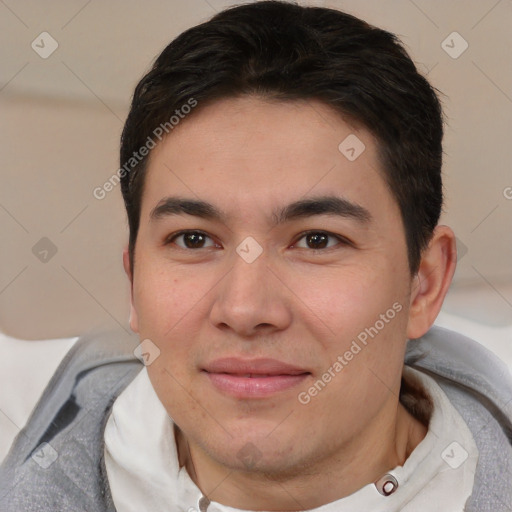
[[250, 157]]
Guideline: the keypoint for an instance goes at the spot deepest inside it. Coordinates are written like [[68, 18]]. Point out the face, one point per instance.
[[271, 272]]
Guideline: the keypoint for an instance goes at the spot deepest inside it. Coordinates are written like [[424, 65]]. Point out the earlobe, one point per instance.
[[133, 320], [432, 281]]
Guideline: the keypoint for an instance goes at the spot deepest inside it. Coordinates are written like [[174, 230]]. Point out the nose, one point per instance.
[[250, 300]]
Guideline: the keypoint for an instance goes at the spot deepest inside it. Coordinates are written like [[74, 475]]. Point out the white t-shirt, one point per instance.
[[144, 475]]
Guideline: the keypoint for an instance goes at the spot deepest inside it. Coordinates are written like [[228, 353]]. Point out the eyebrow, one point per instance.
[[324, 205]]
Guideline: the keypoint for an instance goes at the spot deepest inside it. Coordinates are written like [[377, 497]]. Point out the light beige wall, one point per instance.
[[60, 120]]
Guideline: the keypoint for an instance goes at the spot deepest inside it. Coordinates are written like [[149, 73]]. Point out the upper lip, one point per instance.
[[262, 366]]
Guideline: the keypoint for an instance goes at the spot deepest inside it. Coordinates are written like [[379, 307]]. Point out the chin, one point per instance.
[[257, 454]]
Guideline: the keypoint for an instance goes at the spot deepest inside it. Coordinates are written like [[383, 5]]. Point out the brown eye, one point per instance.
[[318, 240], [192, 240]]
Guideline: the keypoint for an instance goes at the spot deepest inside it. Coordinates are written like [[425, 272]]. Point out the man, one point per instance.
[[281, 171]]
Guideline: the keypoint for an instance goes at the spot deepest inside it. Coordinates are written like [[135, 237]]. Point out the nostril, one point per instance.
[[264, 326]]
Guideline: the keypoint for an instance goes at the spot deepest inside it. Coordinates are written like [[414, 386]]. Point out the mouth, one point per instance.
[[256, 378]]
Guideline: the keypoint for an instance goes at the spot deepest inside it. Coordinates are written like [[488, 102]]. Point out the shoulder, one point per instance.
[[457, 359], [479, 386], [54, 463]]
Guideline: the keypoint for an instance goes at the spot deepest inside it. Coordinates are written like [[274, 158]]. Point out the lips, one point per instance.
[[255, 378], [256, 367]]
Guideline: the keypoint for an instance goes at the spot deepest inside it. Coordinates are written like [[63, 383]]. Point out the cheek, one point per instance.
[[360, 315], [165, 295], [171, 304], [362, 372], [346, 300]]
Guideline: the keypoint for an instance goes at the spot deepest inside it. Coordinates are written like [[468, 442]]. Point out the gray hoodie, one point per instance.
[[56, 461]]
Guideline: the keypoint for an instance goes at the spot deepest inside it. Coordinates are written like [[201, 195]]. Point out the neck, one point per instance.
[[362, 461]]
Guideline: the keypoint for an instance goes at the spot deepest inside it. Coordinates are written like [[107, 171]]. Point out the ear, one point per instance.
[[431, 283], [134, 321]]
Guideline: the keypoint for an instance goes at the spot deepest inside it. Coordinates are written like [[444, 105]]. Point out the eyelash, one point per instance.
[[341, 240], [171, 238]]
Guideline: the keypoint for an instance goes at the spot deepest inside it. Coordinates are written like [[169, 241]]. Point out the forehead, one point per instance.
[[256, 153]]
